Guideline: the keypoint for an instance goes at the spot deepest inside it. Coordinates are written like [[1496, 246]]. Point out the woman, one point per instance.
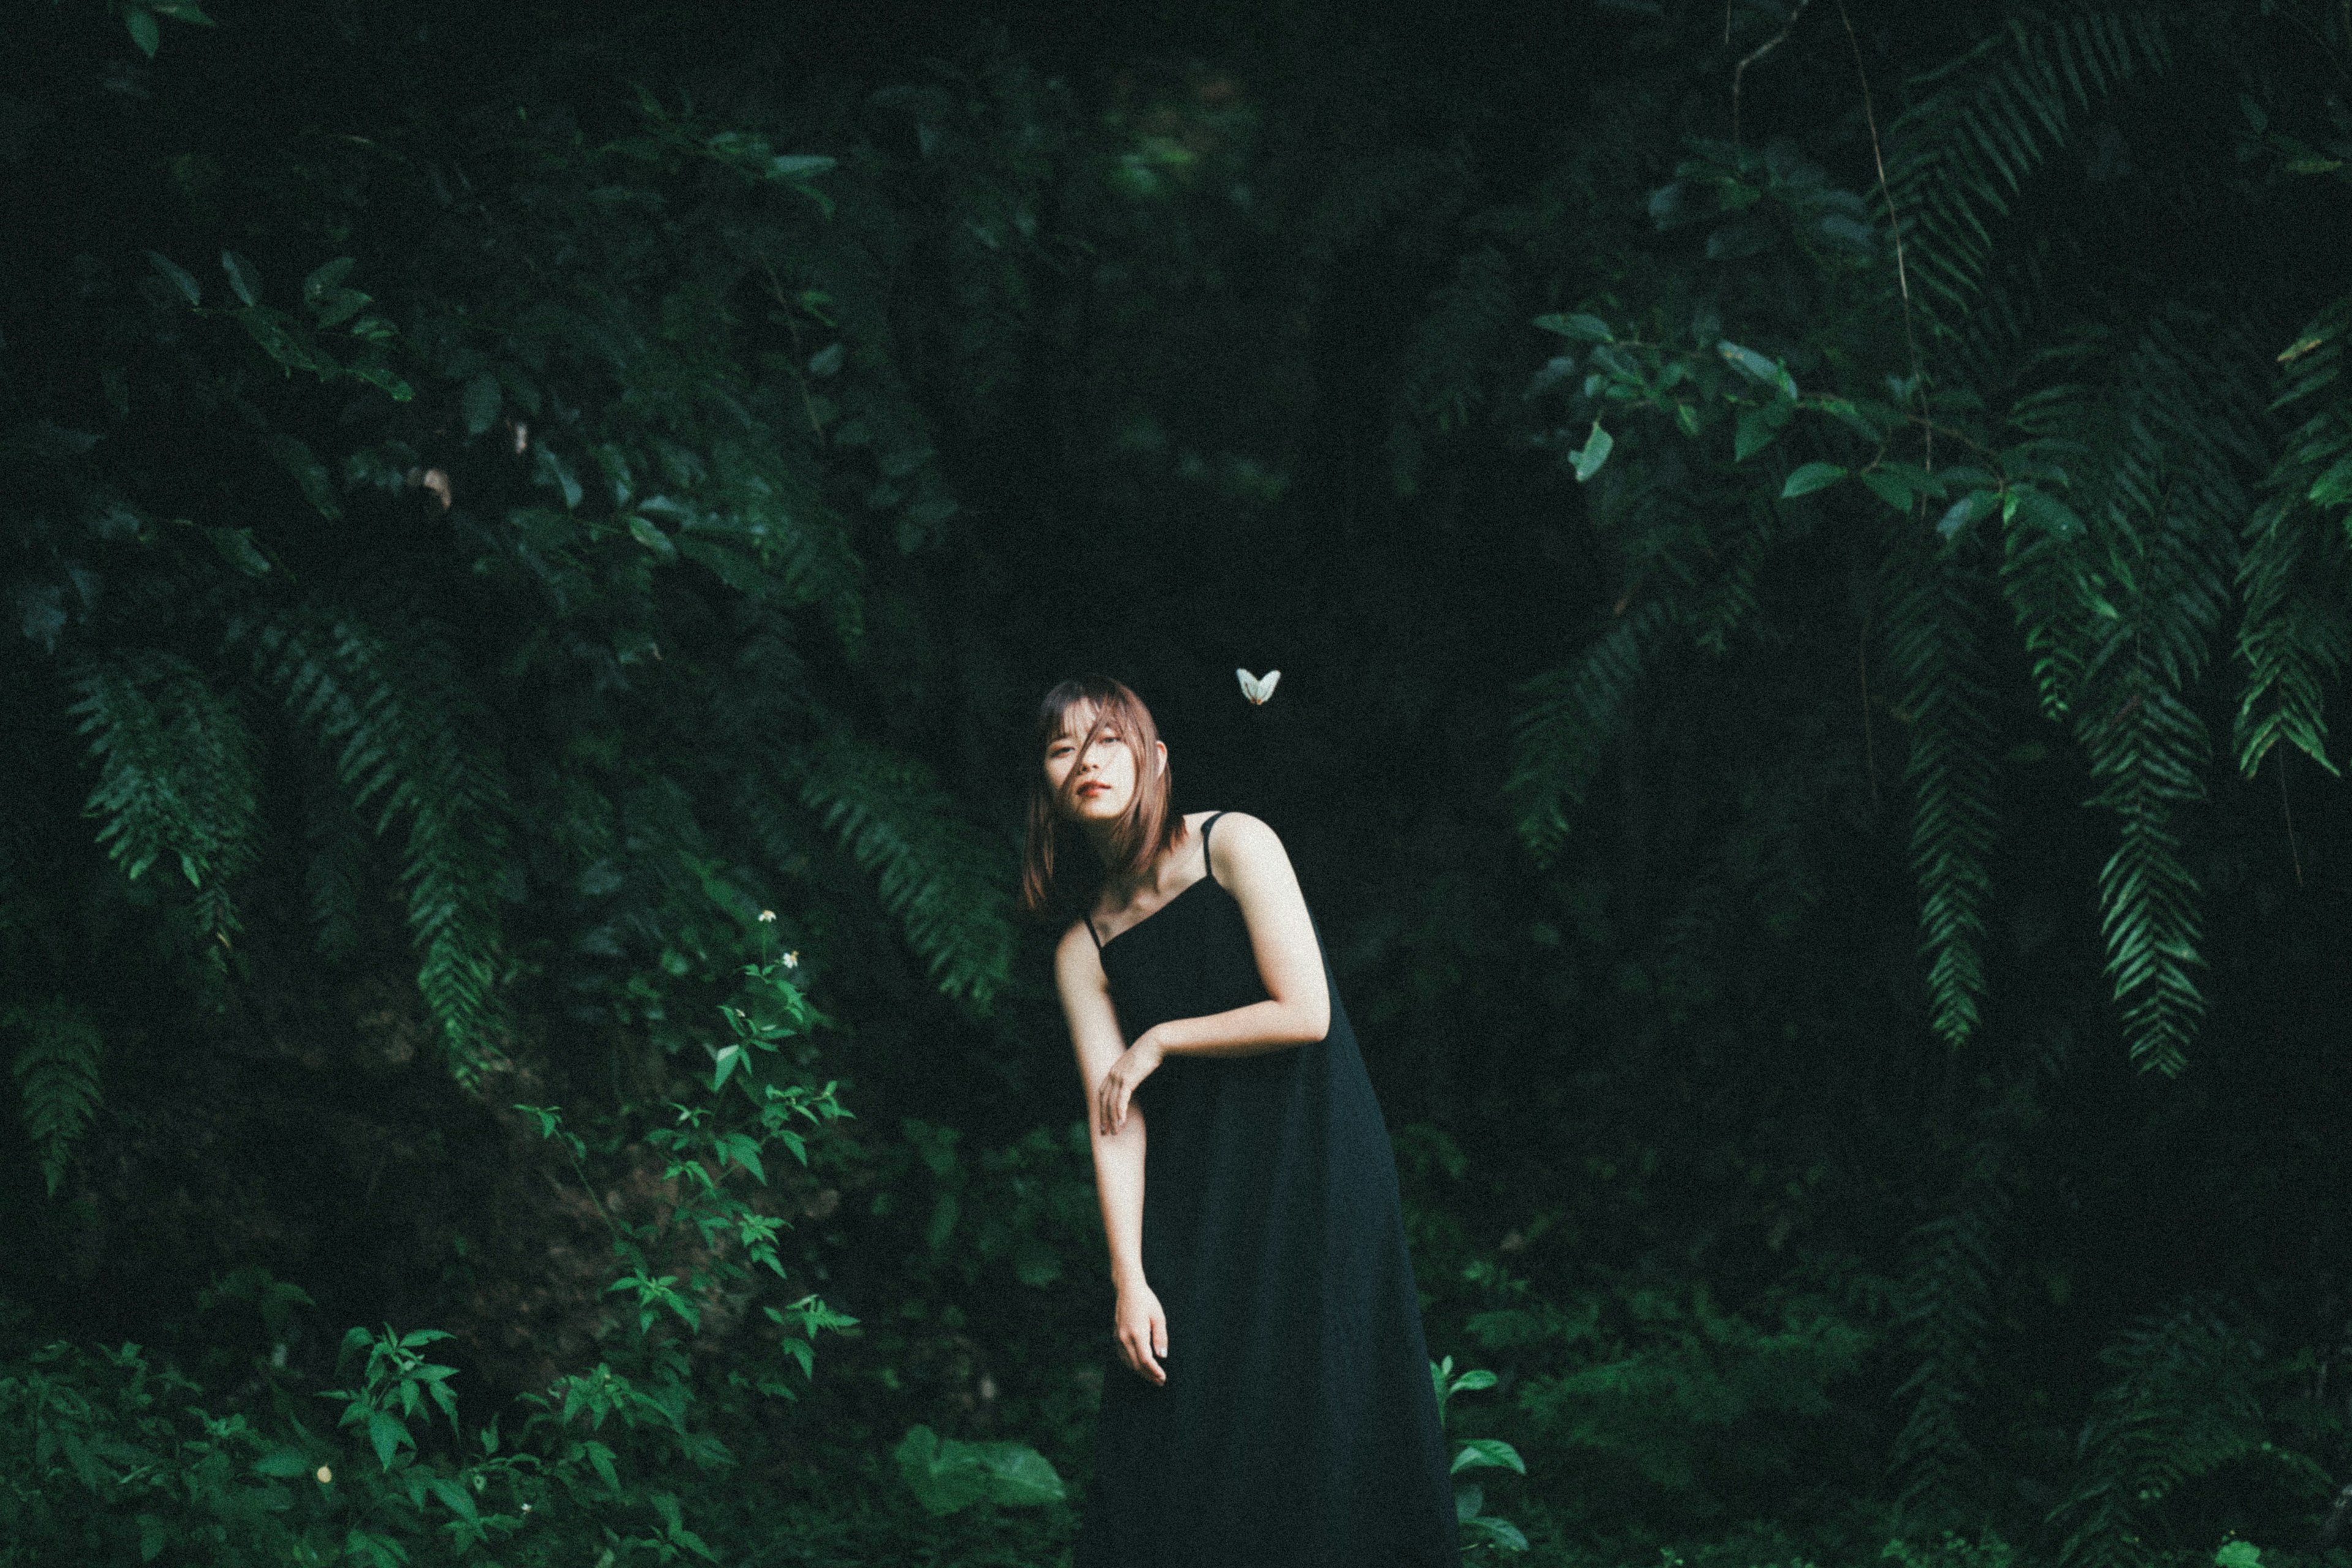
[[1273, 1407]]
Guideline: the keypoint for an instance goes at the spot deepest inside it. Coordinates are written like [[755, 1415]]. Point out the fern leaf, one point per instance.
[[2185, 1402], [1980, 126], [2122, 615], [2296, 636], [56, 1080], [937, 876], [175, 777], [1936, 655], [406, 733], [1572, 713]]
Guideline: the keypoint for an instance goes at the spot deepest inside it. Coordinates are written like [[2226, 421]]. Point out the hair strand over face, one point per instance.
[[1145, 829]]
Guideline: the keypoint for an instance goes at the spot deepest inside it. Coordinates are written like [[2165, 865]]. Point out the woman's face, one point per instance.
[[1105, 783]]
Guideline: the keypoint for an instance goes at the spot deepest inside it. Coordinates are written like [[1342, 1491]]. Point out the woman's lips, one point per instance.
[[1088, 791]]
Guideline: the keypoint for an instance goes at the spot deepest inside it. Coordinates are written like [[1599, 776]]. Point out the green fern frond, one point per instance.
[[2186, 1402], [1945, 1306], [404, 726], [56, 1080], [1934, 652], [941, 879], [336, 877], [1560, 736], [1945, 1299], [1960, 155], [2122, 607], [1730, 598], [2296, 636], [175, 777]]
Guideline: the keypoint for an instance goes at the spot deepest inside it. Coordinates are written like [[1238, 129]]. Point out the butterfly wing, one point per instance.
[[1265, 687], [1249, 685]]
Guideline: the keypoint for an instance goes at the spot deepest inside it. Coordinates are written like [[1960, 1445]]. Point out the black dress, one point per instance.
[[1298, 1427]]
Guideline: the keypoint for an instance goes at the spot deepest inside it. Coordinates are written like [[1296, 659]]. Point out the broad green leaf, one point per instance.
[[1473, 1381], [178, 277], [800, 166], [454, 1496], [480, 402], [2238, 1554], [386, 1434], [1502, 1533], [2044, 512], [325, 277], [236, 547], [1478, 1451], [1755, 432], [1888, 488], [1594, 452], [1580, 327], [1468, 1500], [1018, 1476], [1854, 417], [143, 30], [317, 486], [1750, 363], [600, 1459], [243, 280], [552, 470], [941, 1481], [1966, 510], [153, 1536], [646, 531], [826, 361], [946, 1475], [281, 1463], [1811, 477]]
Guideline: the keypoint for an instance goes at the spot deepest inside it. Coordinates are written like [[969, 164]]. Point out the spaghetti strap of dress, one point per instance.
[[1209, 867]]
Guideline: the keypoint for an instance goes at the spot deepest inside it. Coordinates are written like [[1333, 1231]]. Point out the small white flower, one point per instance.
[[792, 959], [767, 917], [326, 1476]]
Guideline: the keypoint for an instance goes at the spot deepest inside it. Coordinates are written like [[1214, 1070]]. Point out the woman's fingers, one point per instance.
[[1160, 1333], [1110, 1108]]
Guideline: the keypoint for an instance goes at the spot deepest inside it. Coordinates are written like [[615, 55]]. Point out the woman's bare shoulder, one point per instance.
[[1241, 841], [1076, 953]]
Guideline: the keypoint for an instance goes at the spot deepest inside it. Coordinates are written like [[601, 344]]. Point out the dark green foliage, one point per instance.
[[2183, 1404], [407, 745], [175, 777], [1960, 155], [2295, 638], [56, 1068], [1933, 639], [938, 877]]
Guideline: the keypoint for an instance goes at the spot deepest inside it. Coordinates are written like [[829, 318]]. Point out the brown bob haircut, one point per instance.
[[1147, 828]]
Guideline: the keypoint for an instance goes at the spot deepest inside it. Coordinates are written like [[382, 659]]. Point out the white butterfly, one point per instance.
[[1255, 689]]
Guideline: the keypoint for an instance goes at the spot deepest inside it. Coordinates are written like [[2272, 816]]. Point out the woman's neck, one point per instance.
[[1125, 889]]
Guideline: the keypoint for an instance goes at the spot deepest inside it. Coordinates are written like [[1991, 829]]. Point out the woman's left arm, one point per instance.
[[1249, 862]]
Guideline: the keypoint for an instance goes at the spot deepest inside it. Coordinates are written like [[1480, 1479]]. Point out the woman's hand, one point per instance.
[[1143, 1331], [1135, 1064]]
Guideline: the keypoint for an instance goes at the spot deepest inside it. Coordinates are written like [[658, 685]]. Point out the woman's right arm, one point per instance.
[[1095, 1036]]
